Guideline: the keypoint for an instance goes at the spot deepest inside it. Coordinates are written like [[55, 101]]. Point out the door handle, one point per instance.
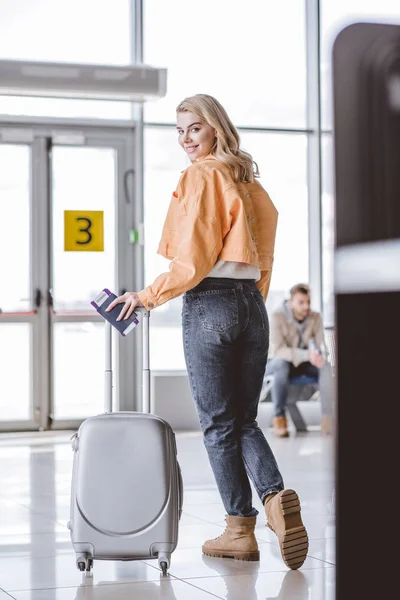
[[129, 173], [38, 299], [49, 299]]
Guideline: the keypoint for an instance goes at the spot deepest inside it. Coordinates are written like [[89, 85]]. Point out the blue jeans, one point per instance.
[[226, 338], [283, 371]]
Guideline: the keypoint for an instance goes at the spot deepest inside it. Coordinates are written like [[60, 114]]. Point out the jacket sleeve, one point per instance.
[[279, 346], [268, 246], [264, 282], [199, 231]]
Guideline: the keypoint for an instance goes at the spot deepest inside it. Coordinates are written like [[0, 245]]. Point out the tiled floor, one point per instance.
[[37, 561]]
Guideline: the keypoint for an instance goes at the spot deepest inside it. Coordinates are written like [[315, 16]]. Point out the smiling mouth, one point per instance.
[[191, 148]]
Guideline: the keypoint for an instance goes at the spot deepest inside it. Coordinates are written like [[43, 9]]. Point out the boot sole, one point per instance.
[[293, 540], [278, 434], [235, 555]]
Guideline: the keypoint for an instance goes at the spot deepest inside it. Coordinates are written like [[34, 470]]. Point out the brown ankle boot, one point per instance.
[[238, 540], [280, 426], [283, 517]]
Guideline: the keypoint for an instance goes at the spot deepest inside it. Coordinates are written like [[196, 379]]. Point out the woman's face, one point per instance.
[[196, 138]]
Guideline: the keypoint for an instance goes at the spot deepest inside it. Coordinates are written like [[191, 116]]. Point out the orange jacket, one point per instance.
[[211, 217]]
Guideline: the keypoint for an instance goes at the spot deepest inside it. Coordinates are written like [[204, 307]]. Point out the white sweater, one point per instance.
[[235, 270]]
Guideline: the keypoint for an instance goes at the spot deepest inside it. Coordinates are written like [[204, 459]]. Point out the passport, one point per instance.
[[102, 301]]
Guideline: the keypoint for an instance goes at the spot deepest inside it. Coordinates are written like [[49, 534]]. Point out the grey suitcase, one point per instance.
[[126, 493]]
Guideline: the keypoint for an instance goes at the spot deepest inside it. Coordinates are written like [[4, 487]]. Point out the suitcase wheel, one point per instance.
[[85, 564], [164, 560]]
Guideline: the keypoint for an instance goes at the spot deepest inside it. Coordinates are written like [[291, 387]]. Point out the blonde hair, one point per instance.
[[227, 143]]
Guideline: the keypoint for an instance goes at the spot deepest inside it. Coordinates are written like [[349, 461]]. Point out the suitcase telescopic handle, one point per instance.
[[108, 382], [146, 362], [146, 358]]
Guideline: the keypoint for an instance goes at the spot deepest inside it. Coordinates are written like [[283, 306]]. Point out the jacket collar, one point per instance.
[[204, 158]]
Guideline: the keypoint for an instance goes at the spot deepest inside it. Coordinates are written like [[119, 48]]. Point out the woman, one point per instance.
[[219, 234]]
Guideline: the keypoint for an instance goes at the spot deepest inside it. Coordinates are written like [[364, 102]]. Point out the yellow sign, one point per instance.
[[84, 230]]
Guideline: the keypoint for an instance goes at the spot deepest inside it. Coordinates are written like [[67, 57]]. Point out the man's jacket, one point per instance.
[[286, 338]]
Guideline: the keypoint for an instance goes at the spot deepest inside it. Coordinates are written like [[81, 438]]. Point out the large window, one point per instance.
[[282, 162], [256, 67], [163, 162], [93, 31], [250, 55]]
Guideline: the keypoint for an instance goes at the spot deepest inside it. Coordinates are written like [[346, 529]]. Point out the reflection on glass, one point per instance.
[[14, 228], [259, 75], [282, 162], [83, 179], [15, 372], [79, 369]]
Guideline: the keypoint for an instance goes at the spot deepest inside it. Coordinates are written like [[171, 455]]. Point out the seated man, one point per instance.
[[298, 348]]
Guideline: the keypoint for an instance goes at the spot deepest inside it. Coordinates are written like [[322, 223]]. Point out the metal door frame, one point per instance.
[[40, 134]]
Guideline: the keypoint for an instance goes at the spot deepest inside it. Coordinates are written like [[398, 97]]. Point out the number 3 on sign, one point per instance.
[[84, 230]]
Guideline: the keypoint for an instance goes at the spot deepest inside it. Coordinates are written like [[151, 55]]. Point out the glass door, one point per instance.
[[17, 311], [51, 339], [83, 179]]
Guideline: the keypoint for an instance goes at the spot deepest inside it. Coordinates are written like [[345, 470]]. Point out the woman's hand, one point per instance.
[[131, 300]]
